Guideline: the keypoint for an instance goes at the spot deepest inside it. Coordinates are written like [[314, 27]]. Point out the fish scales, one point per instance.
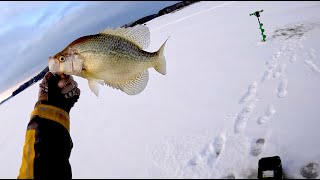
[[112, 57]]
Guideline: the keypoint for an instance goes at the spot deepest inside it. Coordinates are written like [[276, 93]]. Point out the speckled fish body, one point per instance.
[[112, 57]]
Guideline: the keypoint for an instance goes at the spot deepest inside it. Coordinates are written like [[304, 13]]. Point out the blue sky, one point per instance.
[[30, 32]]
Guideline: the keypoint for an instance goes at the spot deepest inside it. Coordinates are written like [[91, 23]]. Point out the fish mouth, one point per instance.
[[53, 65]]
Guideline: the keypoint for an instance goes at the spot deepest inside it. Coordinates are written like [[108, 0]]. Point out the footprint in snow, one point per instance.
[[311, 54], [310, 171], [293, 58], [219, 144], [206, 156], [215, 148], [210, 153], [271, 64], [250, 94], [283, 88], [196, 160], [267, 74], [312, 66], [276, 55], [279, 70], [257, 147], [243, 117], [267, 115], [283, 48], [229, 176]]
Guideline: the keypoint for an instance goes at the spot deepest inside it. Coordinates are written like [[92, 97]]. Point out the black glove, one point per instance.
[[59, 92]]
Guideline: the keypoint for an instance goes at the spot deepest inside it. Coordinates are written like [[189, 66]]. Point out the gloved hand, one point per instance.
[[61, 92]]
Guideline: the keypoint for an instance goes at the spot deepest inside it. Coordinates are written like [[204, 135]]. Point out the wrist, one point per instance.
[[52, 113], [45, 102], [39, 102]]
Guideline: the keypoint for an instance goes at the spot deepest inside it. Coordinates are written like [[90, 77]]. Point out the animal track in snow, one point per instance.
[[283, 88], [251, 94], [243, 117], [268, 114]]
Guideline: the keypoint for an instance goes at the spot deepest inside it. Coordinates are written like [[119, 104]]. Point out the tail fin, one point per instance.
[[161, 61]]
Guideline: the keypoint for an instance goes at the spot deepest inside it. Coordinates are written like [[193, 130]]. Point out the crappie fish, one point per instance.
[[114, 57]]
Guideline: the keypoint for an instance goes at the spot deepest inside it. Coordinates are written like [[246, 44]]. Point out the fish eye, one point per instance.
[[62, 58]]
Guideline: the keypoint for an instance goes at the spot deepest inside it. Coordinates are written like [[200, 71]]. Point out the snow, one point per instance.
[[224, 90]]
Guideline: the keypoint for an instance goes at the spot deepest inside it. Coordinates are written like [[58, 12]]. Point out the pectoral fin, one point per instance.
[[94, 85]]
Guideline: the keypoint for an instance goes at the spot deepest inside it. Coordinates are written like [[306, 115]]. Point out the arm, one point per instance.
[[48, 143]]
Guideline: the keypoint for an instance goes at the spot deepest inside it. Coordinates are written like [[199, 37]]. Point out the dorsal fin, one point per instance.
[[139, 34]]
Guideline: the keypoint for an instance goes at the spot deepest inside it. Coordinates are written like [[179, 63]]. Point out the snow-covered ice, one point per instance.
[[189, 123]]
